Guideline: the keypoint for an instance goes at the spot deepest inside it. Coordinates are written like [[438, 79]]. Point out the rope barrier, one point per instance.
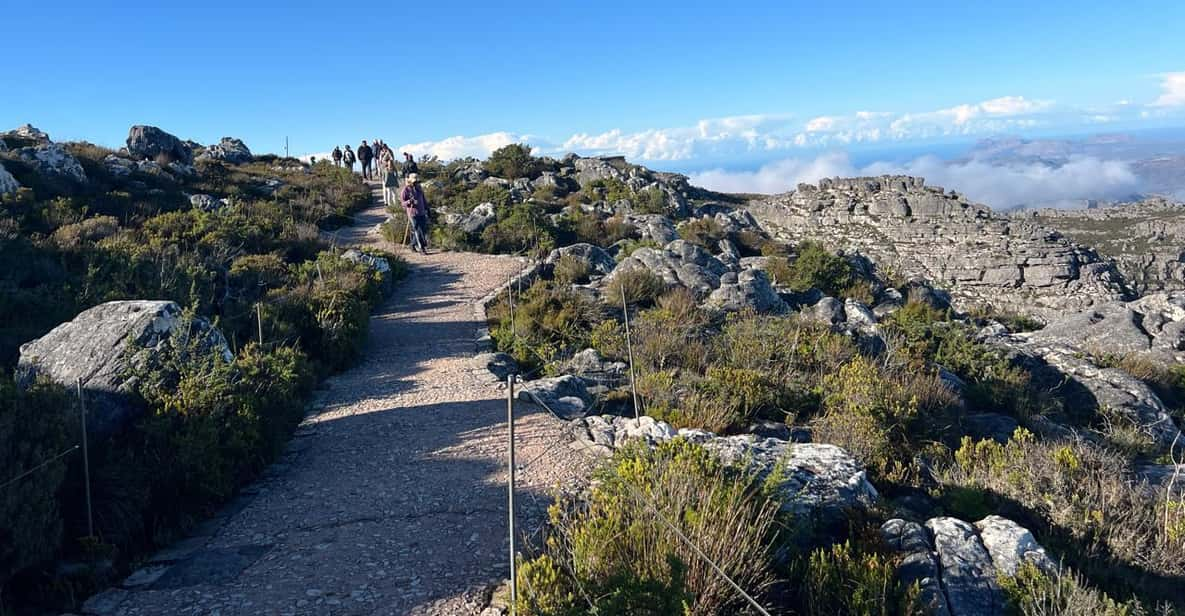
[[38, 467]]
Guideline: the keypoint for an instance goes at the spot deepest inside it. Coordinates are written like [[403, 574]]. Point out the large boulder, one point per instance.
[[100, 345], [679, 263], [566, 396], [24, 136], [481, 217], [748, 290], [598, 261], [8, 184], [966, 569], [149, 142], [1011, 545], [589, 170], [229, 149], [919, 564], [595, 370], [53, 160]]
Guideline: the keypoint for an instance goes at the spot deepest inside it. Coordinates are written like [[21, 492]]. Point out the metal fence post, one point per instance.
[[629, 345], [259, 322], [86, 463], [510, 492]]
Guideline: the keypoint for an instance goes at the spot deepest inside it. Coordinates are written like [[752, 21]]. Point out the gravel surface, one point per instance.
[[392, 496]]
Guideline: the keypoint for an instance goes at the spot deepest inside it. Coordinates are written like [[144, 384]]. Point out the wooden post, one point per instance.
[[86, 463], [259, 322], [510, 492], [625, 309]]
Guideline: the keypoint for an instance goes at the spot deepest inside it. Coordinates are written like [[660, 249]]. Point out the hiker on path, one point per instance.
[[365, 155], [337, 156], [409, 164], [348, 159], [416, 206], [387, 162], [390, 185]]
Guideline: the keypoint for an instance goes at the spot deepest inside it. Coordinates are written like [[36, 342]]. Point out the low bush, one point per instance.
[[853, 579], [521, 228], [511, 162], [1083, 505], [703, 232], [551, 322], [1032, 592], [571, 270], [638, 286], [614, 552], [816, 268]]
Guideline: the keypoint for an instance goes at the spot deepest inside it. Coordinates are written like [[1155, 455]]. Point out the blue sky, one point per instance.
[[691, 84]]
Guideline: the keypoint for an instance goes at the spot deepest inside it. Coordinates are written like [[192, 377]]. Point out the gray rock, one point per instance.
[[149, 142], [828, 310], [8, 184], [752, 290], [655, 227], [1113, 328], [919, 564], [989, 426], [967, 573], [567, 396], [858, 315], [119, 166], [376, 264], [1010, 545], [1163, 478], [206, 203], [53, 160], [481, 217], [500, 365], [596, 371], [25, 134], [598, 261], [589, 170], [229, 150], [94, 347]]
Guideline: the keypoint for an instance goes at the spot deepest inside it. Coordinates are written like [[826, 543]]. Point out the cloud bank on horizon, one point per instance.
[[775, 138]]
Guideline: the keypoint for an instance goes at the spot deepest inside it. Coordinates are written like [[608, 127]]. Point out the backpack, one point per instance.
[[350, 156]]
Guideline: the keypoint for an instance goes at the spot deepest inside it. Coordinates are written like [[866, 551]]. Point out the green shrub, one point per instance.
[[571, 270], [520, 229], [1083, 504], [703, 232], [638, 286], [551, 321], [511, 161], [816, 267], [33, 430], [629, 562], [1032, 592], [854, 580], [630, 245], [650, 201]]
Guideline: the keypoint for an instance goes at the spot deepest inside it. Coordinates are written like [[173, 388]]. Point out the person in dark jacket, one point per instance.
[[416, 206], [365, 155], [348, 158], [409, 164], [337, 156]]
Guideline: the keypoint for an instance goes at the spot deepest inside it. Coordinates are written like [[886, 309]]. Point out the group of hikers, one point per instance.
[[410, 196]]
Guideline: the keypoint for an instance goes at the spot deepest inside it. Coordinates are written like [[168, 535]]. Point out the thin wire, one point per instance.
[[37, 468]]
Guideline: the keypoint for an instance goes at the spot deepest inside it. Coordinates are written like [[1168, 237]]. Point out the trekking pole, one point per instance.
[[625, 309], [86, 463], [510, 491]]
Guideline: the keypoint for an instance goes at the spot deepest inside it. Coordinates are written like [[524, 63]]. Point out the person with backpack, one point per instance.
[[416, 206], [348, 159], [386, 162], [409, 164], [337, 156], [365, 155]]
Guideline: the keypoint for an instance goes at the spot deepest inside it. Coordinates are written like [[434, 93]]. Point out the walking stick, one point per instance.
[[406, 231]]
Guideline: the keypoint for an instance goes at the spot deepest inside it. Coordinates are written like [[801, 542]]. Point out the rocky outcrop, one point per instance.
[[1085, 386], [100, 345], [751, 289], [481, 217], [678, 263], [8, 184], [378, 265], [956, 565], [595, 370], [229, 150], [1153, 326], [150, 142], [813, 480], [206, 203], [1146, 238], [923, 231], [595, 258], [22, 136], [52, 160]]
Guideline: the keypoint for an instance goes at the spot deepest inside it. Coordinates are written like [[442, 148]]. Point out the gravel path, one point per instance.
[[391, 498]]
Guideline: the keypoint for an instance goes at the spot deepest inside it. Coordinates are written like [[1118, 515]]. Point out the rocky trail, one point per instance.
[[391, 497]]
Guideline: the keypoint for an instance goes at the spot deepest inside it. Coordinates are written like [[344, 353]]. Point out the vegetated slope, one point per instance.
[[146, 246], [974, 454]]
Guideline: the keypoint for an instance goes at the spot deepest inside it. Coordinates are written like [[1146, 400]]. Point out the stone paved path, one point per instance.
[[392, 496]]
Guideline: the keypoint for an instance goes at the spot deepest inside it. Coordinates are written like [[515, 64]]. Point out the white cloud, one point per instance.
[[460, 147], [820, 123], [999, 186], [1172, 90]]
